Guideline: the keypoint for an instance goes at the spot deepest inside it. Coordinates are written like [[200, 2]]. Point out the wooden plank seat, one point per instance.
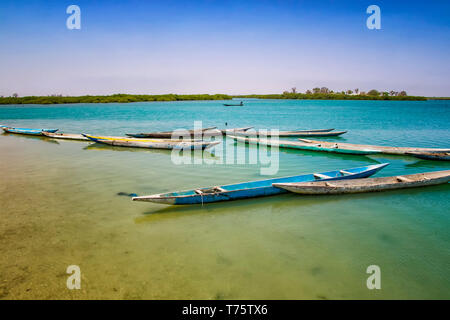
[[403, 179], [210, 190], [319, 176]]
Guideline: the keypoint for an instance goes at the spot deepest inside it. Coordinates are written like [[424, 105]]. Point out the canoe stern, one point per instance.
[[157, 198]]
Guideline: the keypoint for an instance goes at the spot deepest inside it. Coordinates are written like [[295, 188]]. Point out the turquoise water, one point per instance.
[[59, 206]]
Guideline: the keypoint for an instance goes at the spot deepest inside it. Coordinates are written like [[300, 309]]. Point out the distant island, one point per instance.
[[314, 94]]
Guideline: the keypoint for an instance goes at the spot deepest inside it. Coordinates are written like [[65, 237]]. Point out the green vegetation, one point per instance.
[[121, 98], [330, 96], [316, 93], [326, 94]]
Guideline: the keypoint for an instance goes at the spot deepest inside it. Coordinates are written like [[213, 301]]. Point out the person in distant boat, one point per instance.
[[242, 103]]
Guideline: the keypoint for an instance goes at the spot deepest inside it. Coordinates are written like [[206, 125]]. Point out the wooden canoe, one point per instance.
[[314, 130], [236, 130], [320, 134], [66, 136], [294, 133], [368, 184], [234, 105], [28, 131], [253, 189], [302, 146], [129, 139], [382, 149], [301, 130], [168, 134], [153, 144], [442, 156]]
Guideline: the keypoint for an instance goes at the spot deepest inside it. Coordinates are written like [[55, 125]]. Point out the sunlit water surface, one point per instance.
[[59, 206]]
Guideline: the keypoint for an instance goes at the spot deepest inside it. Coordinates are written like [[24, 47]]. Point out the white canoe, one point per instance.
[[153, 144], [292, 144], [67, 136], [236, 130], [292, 134], [368, 184]]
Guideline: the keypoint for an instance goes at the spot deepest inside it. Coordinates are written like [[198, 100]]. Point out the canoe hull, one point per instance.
[[302, 146], [438, 156], [130, 139], [210, 132], [27, 131], [65, 136], [253, 189], [163, 144], [319, 134], [381, 149], [296, 134], [168, 134], [315, 130], [236, 130], [369, 184]]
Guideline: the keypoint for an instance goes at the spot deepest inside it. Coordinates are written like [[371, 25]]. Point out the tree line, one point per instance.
[[316, 93], [120, 98], [326, 94], [373, 92]]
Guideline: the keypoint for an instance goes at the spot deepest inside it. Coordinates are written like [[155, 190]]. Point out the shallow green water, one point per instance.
[[59, 206]]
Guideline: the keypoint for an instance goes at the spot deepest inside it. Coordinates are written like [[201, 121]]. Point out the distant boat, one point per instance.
[[234, 105], [153, 144], [254, 189], [382, 149], [28, 131], [303, 146], [66, 136], [294, 133], [368, 184], [444, 156]]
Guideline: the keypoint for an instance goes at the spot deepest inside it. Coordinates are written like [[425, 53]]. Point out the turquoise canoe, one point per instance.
[[34, 132], [303, 146], [255, 189], [291, 134]]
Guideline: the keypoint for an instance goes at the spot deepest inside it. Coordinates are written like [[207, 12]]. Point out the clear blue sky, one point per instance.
[[211, 46]]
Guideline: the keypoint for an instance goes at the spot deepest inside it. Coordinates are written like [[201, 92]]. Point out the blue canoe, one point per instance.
[[255, 188], [34, 132]]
